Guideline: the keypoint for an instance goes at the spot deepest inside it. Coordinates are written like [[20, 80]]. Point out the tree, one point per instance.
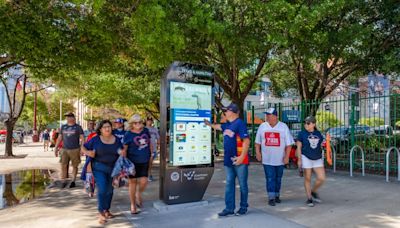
[[48, 109], [325, 42], [49, 39], [231, 36]]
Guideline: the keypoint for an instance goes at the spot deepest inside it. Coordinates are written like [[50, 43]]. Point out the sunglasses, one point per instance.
[[308, 123]]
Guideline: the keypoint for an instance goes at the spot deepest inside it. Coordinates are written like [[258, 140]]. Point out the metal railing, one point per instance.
[[362, 159], [388, 163]]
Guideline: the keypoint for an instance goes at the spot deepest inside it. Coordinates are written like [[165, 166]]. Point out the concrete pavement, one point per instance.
[[348, 202]]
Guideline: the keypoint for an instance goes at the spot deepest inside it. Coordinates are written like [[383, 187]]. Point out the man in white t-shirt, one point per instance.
[[273, 145]]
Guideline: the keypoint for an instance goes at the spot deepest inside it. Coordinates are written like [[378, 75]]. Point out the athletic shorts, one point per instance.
[[142, 170], [309, 164]]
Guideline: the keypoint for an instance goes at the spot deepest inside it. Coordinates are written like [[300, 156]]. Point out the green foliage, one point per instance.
[[327, 120], [372, 121], [398, 124], [48, 109]]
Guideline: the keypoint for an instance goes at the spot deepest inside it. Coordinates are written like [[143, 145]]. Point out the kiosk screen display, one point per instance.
[[191, 138]]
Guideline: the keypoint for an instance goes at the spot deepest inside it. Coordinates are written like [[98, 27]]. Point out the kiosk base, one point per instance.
[[163, 207], [184, 185]]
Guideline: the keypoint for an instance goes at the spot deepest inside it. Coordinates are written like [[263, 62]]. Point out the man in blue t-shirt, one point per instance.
[[236, 161], [119, 130]]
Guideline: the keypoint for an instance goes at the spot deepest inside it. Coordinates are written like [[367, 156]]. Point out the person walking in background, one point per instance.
[[91, 129], [103, 149], [273, 144], [155, 137], [71, 135], [137, 148], [309, 152], [46, 140], [119, 130], [236, 160]]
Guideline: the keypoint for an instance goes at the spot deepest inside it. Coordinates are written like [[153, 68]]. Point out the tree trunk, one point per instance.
[[9, 138], [11, 199]]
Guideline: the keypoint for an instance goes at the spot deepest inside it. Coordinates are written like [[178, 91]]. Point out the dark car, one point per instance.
[[341, 136]]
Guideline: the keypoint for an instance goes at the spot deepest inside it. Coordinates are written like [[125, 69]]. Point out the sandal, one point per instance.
[[135, 211], [102, 218], [108, 215]]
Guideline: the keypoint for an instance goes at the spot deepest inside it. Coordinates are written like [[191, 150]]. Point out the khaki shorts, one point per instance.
[[73, 155]]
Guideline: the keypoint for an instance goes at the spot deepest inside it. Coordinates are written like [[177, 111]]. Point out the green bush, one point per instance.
[[326, 120], [372, 122]]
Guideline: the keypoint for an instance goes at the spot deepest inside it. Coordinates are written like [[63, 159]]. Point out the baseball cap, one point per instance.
[[271, 111], [310, 119], [232, 107], [69, 114], [119, 120]]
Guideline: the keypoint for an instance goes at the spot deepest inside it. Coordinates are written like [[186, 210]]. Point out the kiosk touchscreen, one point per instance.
[[186, 142]]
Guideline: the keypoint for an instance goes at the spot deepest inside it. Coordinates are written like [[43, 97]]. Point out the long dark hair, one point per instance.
[[100, 125]]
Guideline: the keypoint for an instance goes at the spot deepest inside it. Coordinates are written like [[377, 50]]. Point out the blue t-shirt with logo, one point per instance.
[[138, 146], [234, 132], [119, 133], [104, 153], [311, 144]]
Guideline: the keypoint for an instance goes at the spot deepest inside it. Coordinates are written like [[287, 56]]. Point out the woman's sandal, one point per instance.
[[108, 215], [135, 211], [102, 219]]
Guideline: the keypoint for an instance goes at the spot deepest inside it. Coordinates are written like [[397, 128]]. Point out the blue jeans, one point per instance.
[[241, 172], [273, 176], [102, 176]]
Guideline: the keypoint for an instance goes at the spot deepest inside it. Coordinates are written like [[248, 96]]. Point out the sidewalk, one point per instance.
[[348, 202]]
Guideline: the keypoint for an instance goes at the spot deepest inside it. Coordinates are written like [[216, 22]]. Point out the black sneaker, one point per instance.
[[64, 184], [225, 213], [277, 200], [241, 211], [315, 197], [310, 203], [271, 202], [72, 185]]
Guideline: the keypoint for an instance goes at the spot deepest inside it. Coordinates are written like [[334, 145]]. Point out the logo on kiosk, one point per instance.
[[189, 175], [174, 176]]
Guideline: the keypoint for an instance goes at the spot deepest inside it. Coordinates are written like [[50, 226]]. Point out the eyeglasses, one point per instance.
[[105, 127], [137, 123]]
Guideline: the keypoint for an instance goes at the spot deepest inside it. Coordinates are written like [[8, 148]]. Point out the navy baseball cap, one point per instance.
[[119, 120], [232, 107], [271, 111]]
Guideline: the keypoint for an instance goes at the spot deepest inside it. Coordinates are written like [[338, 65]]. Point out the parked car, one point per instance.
[[383, 131], [341, 136]]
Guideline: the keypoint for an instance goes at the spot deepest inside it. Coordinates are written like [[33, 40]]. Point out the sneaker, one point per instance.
[[271, 202], [150, 179], [315, 197], [310, 203], [72, 185], [277, 200], [64, 184], [241, 211], [225, 213]]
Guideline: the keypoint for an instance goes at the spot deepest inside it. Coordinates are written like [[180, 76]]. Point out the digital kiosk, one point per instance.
[[186, 161]]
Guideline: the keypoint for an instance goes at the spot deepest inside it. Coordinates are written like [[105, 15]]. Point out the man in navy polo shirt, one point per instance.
[[236, 160]]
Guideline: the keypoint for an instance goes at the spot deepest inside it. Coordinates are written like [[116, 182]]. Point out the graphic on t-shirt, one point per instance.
[[229, 133], [272, 139], [141, 141], [313, 140]]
